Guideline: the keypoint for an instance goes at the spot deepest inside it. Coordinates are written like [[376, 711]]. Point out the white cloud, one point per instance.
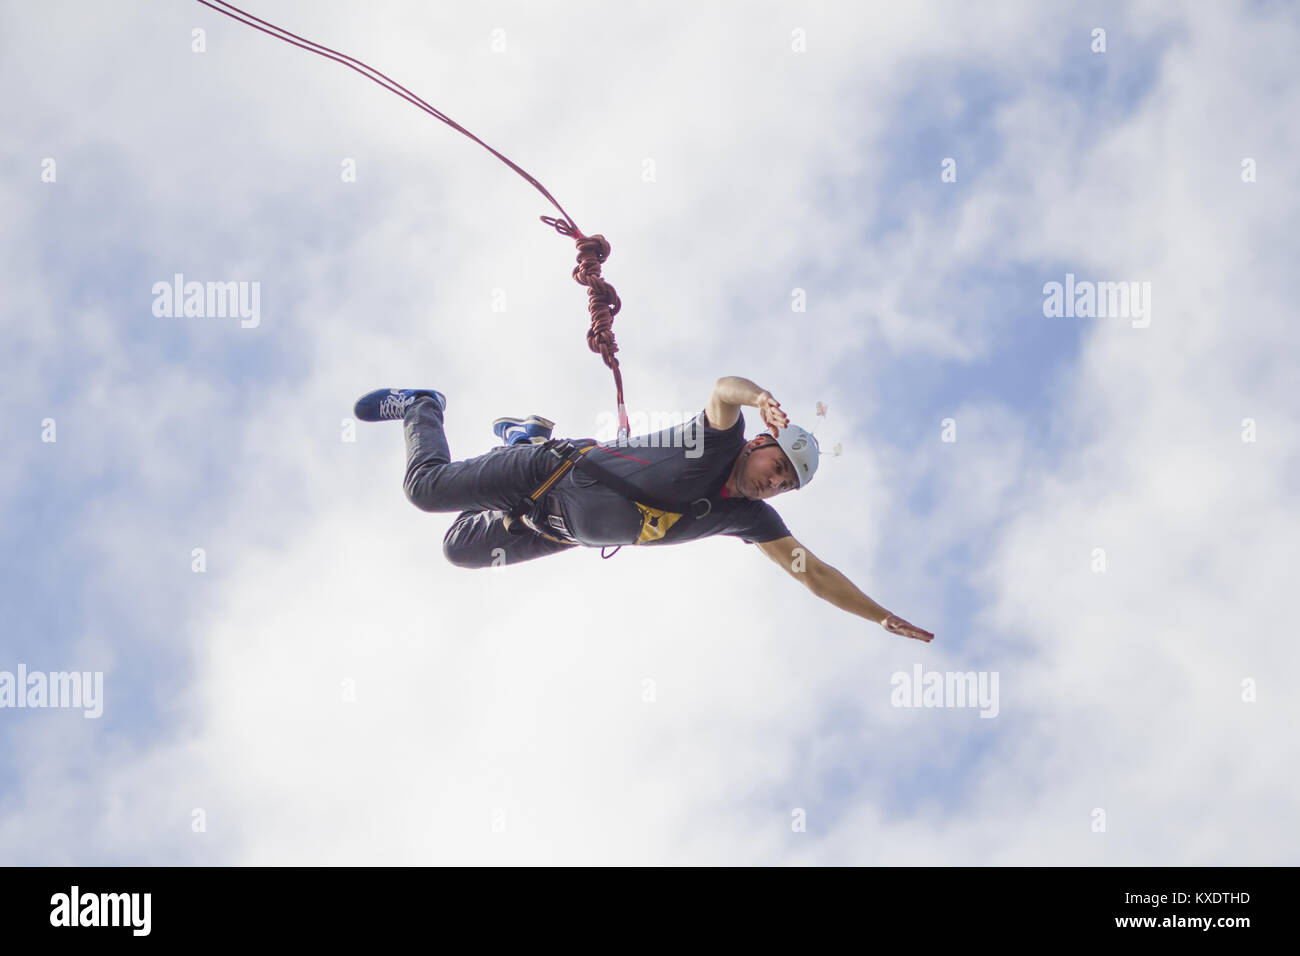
[[520, 691]]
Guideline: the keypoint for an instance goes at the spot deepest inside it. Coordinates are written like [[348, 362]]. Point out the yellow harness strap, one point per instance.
[[556, 475], [542, 489], [654, 522]]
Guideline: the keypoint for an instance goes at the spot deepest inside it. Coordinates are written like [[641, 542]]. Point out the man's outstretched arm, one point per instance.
[[832, 586]]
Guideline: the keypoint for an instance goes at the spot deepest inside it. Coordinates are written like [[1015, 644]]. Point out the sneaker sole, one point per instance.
[[530, 420]]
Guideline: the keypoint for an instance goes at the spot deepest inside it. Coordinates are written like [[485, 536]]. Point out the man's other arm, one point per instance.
[[830, 585]]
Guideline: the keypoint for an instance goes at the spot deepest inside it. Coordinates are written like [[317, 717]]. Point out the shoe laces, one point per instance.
[[394, 405]]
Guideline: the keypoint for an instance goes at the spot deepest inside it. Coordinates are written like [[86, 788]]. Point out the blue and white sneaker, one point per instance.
[[389, 404], [523, 431]]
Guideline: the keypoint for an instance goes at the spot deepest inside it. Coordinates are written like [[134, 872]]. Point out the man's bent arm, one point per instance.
[[731, 391], [734, 390]]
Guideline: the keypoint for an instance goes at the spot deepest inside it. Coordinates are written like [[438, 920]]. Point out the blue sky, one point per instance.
[[776, 170]]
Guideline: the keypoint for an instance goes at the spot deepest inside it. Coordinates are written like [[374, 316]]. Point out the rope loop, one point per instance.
[[562, 226]]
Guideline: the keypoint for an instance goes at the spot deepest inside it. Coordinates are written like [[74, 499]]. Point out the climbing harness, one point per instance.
[[529, 513], [602, 301], [658, 515]]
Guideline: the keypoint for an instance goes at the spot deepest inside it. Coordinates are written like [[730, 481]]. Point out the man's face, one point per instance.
[[765, 473]]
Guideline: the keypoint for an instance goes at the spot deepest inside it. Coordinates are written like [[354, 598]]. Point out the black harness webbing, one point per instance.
[[527, 514]]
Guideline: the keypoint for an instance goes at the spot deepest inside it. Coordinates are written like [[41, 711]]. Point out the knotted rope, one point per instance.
[[602, 301]]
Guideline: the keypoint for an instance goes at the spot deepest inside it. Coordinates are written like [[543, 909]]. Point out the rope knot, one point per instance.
[[602, 302]]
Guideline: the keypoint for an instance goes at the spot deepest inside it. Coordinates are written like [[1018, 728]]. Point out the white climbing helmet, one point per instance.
[[801, 447]]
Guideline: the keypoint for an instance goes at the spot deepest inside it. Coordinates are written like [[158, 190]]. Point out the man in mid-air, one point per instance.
[[536, 495]]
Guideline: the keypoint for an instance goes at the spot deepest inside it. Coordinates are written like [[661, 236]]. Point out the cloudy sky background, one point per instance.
[[499, 715]]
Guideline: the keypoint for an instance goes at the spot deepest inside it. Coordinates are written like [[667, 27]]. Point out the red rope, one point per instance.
[[602, 301]]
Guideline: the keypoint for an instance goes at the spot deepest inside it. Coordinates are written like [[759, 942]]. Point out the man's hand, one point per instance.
[[896, 625], [770, 409]]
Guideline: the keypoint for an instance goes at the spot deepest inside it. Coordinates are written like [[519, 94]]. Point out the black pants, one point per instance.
[[482, 489]]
